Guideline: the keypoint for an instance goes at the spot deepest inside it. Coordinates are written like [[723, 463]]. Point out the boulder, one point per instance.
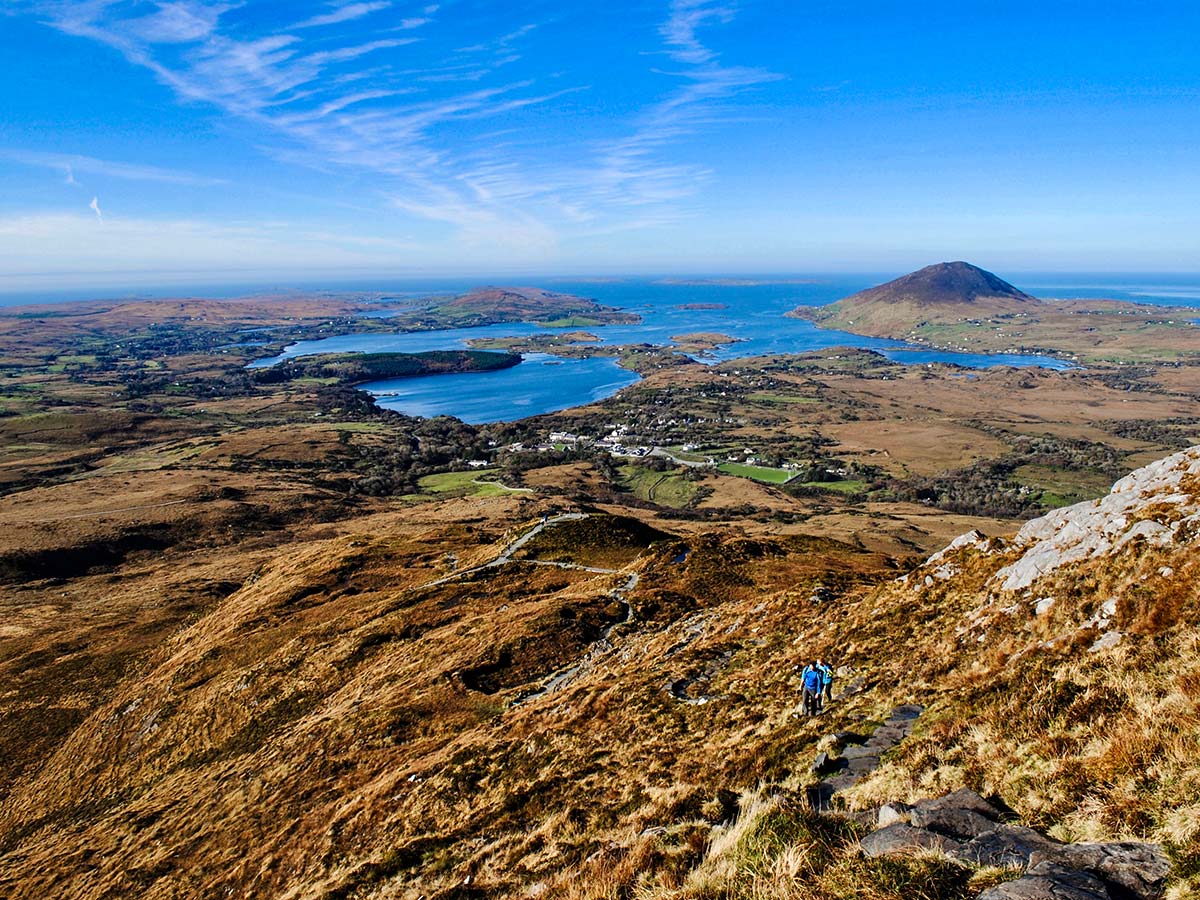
[[901, 837], [824, 764], [1006, 846], [1137, 869], [885, 739], [890, 813], [962, 799], [907, 712], [863, 765], [1048, 881], [960, 824], [1106, 641], [1150, 504]]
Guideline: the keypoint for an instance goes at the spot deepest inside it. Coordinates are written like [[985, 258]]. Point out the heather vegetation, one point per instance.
[[557, 657]]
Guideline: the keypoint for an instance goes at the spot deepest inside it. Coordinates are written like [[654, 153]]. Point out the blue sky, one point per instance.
[[370, 137]]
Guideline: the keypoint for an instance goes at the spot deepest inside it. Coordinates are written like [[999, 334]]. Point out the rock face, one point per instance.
[[1159, 504], [966, 827]]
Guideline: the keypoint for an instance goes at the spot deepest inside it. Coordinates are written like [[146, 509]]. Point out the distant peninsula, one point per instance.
[[496, 305], [702, 341], [959, 306], [357, 368]]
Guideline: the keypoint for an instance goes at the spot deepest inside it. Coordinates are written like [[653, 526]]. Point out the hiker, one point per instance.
[[812, 689], [826, 678]]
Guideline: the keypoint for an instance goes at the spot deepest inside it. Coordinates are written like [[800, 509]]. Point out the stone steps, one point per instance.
[[860, 755]]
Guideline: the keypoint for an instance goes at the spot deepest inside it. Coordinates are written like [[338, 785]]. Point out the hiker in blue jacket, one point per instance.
[[812, 689], [826, 678]]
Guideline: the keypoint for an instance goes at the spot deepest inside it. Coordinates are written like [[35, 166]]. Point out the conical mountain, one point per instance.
[[943, 293], [945, 284]]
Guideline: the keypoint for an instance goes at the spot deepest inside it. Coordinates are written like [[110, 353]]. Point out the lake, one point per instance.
[[753, 313]]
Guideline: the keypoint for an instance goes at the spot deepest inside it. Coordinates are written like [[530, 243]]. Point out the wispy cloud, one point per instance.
[[336, 99], [94, 206], [346, 13], [70, 163], [632, 169], [178, 23], [688, 17]]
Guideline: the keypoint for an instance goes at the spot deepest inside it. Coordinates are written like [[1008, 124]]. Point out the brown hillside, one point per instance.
[[415, 708]]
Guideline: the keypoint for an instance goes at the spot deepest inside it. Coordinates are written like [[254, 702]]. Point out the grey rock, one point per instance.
[[1048, 881], [825, 764], [886, 738], [960, 824], [1010, 846], [1138, 869], [907, 712], [853, 687], [1099, 527], [859, 751], [841, 782], [900, 837], [890, 813], [1106, 641], [820, 796], [863, 765], [963, 799]]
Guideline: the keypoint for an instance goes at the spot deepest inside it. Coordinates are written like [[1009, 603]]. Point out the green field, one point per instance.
[[473, 484], [757, 473], [692, 455], [1063, 487], [849, 486], [664, 488], [314, 380]]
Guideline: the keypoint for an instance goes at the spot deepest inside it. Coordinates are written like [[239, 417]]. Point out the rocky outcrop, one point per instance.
[[1159, 504], [966, 827]]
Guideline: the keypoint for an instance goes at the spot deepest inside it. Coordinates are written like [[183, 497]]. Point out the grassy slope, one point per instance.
[[1090, 331], [758, 473], [664, 488]]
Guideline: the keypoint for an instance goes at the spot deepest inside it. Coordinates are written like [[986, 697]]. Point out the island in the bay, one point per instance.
[[959, 306]]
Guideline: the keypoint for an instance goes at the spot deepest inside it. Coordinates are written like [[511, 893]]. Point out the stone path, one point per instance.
[[859, 755], [515, 545], [597, 651]]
